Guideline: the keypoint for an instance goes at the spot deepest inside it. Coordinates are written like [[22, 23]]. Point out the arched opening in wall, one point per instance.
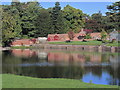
[[80, 37]]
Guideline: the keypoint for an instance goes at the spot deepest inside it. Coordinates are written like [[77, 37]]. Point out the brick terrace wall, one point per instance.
[[79, 47], [25, 42]]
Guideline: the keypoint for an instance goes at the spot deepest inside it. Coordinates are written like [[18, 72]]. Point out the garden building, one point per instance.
[[114, 35]]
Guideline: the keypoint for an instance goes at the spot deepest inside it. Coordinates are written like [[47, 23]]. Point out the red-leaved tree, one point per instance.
[[71, 35]]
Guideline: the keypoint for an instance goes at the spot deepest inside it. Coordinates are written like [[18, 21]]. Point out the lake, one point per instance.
[[89, 67]]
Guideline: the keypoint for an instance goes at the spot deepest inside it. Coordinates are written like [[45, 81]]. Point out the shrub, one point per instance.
[[103, 35], [71, 35], [88, 36], [67, 41], [105, 41]]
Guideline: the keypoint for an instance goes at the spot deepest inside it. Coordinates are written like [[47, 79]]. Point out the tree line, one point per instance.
[[31, 20]]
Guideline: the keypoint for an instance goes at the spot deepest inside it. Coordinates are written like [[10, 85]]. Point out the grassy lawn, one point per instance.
[[22, 47], [78, 43], [113, 44], [15, 81], [70, 43], [85, 43]]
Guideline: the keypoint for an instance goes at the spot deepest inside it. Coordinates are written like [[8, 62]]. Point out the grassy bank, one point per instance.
[[84, 43], [95, 43], [113, 44], [22, 47], [78, 43], [15, 81]]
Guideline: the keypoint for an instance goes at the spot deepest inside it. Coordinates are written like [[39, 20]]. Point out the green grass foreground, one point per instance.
[[84, 43], [16, 81]]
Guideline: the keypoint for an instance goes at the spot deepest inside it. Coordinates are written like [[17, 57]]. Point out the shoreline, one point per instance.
[[99, 48], [4, 48]]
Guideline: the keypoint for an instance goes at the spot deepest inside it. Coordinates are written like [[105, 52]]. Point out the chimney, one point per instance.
[[82, 30]]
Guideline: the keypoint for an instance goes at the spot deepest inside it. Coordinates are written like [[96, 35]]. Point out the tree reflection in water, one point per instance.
[[101, 68]]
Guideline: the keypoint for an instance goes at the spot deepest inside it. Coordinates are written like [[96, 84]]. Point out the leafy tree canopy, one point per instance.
[[74, 18]]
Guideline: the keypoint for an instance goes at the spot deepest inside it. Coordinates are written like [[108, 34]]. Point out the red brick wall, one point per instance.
[[23, 42]]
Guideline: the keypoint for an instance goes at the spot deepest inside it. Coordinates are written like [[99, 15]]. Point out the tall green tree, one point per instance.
[[43, 23], [97, 17], [9, 31], [1, 24], [114, 15], [28, 18], [106, 24], [13, 11], [74, 18], [91, 24], [28, 13], [58, 22]]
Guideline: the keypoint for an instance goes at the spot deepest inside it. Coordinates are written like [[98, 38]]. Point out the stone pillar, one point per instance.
[[100, 48], [113, 49]]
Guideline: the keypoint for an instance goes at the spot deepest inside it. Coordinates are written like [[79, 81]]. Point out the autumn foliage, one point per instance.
[[71, 35]]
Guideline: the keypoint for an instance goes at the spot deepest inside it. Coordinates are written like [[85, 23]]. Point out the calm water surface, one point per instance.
[[95, 67]]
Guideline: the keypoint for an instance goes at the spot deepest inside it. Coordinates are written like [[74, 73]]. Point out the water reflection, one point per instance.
[[95, 67], [23, 53]]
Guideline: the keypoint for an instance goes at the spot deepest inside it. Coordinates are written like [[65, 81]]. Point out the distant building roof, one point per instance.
[[95, 35], [114, 35], [61, 37], [88, 30], [114, 32], [82, 33], [64, 37]]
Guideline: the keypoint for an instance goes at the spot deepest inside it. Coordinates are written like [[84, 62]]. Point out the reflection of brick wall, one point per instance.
[[26, 42], [79, 57], [95, 58], [25, 53], [74, 57], [59, 56]]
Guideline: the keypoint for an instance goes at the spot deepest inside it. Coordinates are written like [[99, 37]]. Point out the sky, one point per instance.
[[64, 0], [87, 7]]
